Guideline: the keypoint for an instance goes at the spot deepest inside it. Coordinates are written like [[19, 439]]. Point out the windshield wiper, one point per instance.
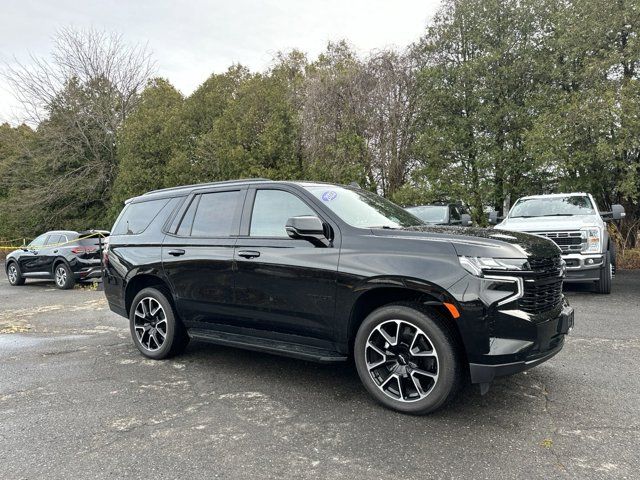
[[550, 215], [385, 227]]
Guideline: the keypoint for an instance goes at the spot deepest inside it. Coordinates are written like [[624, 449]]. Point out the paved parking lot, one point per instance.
[[78, 401]]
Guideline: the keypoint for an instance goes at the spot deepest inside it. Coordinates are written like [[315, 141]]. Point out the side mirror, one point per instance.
[[309, 228], [493, 217], [617, 213], [465, 220]]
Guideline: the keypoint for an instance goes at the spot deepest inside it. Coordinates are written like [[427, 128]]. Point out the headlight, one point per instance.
[[590, 240], [478, 265]]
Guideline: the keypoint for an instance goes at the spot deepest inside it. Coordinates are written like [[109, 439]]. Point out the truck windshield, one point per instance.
[[552, 207], [363, 209], [430, 213]]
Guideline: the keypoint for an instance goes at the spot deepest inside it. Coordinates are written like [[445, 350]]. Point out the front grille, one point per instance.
[[547, 266], [569, 242], [542, 291], [540, 296]]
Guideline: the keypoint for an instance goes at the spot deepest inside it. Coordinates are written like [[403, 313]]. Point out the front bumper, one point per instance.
[[583, 268], [547, 342]]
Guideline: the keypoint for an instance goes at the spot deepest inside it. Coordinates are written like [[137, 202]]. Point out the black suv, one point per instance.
[[324, 272], [62, 255]]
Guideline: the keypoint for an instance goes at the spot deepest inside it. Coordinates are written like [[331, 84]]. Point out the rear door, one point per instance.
[[283, 285], [197, 255]]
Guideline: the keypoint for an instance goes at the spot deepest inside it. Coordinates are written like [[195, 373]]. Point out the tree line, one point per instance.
[[497, 99]]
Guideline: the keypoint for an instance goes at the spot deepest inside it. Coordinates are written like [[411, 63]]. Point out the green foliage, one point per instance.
[[496, 100]]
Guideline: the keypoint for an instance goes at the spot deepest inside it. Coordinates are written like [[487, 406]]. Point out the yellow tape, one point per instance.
[[96, 234]]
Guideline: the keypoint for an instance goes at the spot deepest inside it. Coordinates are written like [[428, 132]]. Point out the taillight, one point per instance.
[[82, 250], [105, 252]]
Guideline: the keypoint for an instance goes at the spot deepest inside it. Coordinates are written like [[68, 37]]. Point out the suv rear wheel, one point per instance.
[[63, 277], [14, 275], [154, 328], [407, 358]]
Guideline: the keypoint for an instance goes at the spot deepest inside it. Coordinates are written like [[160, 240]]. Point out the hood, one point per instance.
[[479, 242], [550, 224]]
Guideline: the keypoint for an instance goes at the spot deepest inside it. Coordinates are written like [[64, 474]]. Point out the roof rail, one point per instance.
[[208, 184]]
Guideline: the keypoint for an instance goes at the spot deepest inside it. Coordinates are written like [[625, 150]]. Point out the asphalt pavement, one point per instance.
[[77, 400]]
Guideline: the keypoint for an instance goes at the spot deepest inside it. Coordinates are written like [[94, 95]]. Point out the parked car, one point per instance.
[[62, 255], [574, 223], [442, 214], [326, 272]]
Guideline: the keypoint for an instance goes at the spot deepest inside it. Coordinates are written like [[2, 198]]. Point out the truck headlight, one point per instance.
[[478, 265], [590, 240]]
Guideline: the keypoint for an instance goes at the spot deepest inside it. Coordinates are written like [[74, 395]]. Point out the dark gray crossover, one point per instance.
[[326, 273]]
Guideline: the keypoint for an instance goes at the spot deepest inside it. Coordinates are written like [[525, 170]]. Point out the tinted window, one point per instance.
[[454, 214], [39, 241], [136, 217], [187, 220], [272, 209], [215, 214]]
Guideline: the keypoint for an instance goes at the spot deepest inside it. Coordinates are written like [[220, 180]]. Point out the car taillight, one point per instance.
[[105, 253], [81, 250]]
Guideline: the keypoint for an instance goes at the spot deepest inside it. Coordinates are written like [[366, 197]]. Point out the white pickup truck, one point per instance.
[[573, 222]]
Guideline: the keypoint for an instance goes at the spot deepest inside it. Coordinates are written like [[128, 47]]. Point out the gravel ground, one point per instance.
[[77, 400]]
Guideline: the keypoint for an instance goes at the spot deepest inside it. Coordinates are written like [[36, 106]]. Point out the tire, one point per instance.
[[158, 334], [14, 274], [63, 277], [383, 361], [603, 285]]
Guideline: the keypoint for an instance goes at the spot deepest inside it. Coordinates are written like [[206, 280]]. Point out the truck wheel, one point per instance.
[[155, 330], [604, 284], [408, 359], [14, 275]]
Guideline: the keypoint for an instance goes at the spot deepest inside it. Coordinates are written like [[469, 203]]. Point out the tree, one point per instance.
[[79, 101], [148, 140]]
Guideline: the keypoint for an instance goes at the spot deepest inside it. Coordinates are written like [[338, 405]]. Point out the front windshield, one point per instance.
[[552, 207], [363, 209], [430, 213]]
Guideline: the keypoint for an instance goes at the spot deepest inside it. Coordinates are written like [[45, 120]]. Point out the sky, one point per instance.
[[192, 39]]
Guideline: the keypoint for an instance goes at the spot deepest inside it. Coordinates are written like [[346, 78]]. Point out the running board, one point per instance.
[[277, 347]]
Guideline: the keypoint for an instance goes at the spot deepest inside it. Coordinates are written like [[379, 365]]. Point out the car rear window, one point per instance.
[[136, 217]]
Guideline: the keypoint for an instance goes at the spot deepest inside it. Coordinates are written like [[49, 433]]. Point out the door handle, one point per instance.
[[249, 253], [176, 252], [55, 251]]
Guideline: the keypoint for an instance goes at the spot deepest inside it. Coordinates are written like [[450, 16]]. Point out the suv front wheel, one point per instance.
[[407, 358], [155, 330]]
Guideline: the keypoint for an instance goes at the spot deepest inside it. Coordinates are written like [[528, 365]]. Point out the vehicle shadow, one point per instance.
[[312, 387]]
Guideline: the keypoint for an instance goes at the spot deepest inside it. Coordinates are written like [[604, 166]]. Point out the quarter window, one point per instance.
[[272, 209], [215, 214], [136, 217]]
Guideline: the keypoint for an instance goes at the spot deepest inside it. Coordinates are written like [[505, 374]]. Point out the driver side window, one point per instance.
[[38, 242], [272, 209]]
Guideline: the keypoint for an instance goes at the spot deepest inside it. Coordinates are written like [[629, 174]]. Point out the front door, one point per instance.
[[31, 260], [197, 256], [283, 285]]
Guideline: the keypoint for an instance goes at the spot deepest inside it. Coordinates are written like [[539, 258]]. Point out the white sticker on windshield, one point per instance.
[[329, 195]]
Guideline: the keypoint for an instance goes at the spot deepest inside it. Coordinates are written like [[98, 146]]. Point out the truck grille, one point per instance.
[[569, 242], [542, 291]]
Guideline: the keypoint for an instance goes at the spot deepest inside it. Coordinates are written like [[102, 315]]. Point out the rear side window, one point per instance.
[[215, 214], [272, 209], [136, 217]]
